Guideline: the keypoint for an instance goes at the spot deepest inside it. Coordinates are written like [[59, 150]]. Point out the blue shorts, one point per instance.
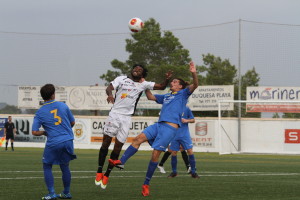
[[181, 139], [61, 153], [160, 135]]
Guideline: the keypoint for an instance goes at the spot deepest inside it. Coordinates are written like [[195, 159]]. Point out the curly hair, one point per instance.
[[145, 71]]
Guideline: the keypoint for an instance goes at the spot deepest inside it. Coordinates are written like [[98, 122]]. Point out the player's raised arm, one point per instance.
[[110, 97], [195, 83], [162, 86], [149, 95]]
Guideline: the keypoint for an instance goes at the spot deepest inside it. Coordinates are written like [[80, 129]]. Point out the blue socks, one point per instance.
[[49, 177], [151, 169], [66, 177], [192, 163], [130, 151], [174, 163]]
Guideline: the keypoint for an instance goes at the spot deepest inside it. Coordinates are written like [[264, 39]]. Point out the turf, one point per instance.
[[221, 177]]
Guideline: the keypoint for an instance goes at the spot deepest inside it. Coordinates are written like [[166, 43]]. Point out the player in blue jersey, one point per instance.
[[160, 134], [57, 121], [183, 138]]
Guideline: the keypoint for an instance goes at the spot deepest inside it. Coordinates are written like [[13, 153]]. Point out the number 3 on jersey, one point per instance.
[[56, 116]]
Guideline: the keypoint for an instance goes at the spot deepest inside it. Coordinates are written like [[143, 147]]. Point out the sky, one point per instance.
[[67, 29]]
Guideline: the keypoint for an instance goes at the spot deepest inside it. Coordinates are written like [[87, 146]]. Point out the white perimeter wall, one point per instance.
[[258, 135]]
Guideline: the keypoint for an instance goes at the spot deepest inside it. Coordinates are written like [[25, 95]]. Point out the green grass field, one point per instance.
[[222, 177]]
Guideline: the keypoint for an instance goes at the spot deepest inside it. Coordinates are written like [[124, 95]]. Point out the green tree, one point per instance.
[[159, 52], [218, 71], [222, 72], [10, 109]]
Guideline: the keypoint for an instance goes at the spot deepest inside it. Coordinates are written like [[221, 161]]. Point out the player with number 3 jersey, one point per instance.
[[57, 121]]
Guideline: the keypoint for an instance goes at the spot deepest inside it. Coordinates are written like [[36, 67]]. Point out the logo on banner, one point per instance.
[[78, 130], [292, 136], [201, 128], [77, 97]]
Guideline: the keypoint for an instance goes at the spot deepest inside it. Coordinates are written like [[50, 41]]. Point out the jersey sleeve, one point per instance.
[[116, 82], [190, 114], [70, 115], [159, 98], [150, 85], [36, 123]]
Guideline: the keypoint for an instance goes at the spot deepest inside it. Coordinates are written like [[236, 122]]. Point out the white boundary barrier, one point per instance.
[[204, 133]]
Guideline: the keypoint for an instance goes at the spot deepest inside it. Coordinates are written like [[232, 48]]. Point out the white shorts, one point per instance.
[[117, 125]]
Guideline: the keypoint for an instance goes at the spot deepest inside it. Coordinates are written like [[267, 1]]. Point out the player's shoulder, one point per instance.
[[122, 77]]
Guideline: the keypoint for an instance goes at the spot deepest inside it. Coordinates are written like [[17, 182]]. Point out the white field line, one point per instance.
[[203, 174]]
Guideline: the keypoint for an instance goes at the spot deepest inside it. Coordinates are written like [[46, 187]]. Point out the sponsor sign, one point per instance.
[[292, 136], [204, 98], [137, 126], [204, 134], [273, 94]]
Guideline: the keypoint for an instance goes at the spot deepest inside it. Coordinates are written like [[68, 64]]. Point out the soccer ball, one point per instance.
[[135, 24]]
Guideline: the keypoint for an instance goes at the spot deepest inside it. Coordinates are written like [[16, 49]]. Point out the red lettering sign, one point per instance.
[[292, 136]]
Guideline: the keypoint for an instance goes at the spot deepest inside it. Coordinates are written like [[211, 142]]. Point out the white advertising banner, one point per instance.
[[204, 98], [23, 125], [273, 94], [76, 97], [138, 124]]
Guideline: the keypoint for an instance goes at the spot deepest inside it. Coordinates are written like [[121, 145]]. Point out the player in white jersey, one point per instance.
[[128, 92]]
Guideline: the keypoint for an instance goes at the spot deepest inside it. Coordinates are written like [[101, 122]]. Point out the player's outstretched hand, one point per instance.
[[169, 74], [110, 99], [192, 67]]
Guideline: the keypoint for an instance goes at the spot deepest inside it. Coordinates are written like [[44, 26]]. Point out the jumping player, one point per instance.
[[128, 92], [160, 134]]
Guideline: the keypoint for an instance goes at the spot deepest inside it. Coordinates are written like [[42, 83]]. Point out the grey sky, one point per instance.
[[23, 60]]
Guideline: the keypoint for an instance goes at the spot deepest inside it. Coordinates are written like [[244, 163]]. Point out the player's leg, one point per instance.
[[131, 150], [163, 160], [193, 163], [7, 140], [148, 134], [67, 154], [113, 156], [151, 169], [66, 178], [173, 164], [164, 134], [49, 158], [185, 159], [12, 144], [6, 144], [48, 176], [101, 157], [174, 147]]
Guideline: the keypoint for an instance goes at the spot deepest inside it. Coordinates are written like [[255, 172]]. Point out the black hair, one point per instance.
[[47, 91], [145, 71], [182, 82]]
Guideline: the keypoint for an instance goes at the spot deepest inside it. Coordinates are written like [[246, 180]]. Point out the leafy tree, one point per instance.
[[222, 72], [218, 71], [158, 52], [10, 109]]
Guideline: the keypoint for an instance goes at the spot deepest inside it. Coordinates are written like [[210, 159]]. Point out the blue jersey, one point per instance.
[[173, 105], [56, 118], [187, 114]]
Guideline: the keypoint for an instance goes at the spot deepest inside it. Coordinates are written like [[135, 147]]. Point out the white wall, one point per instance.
[[258, 135]]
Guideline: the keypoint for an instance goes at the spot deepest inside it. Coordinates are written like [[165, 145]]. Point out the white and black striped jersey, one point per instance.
[[128, 94]]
